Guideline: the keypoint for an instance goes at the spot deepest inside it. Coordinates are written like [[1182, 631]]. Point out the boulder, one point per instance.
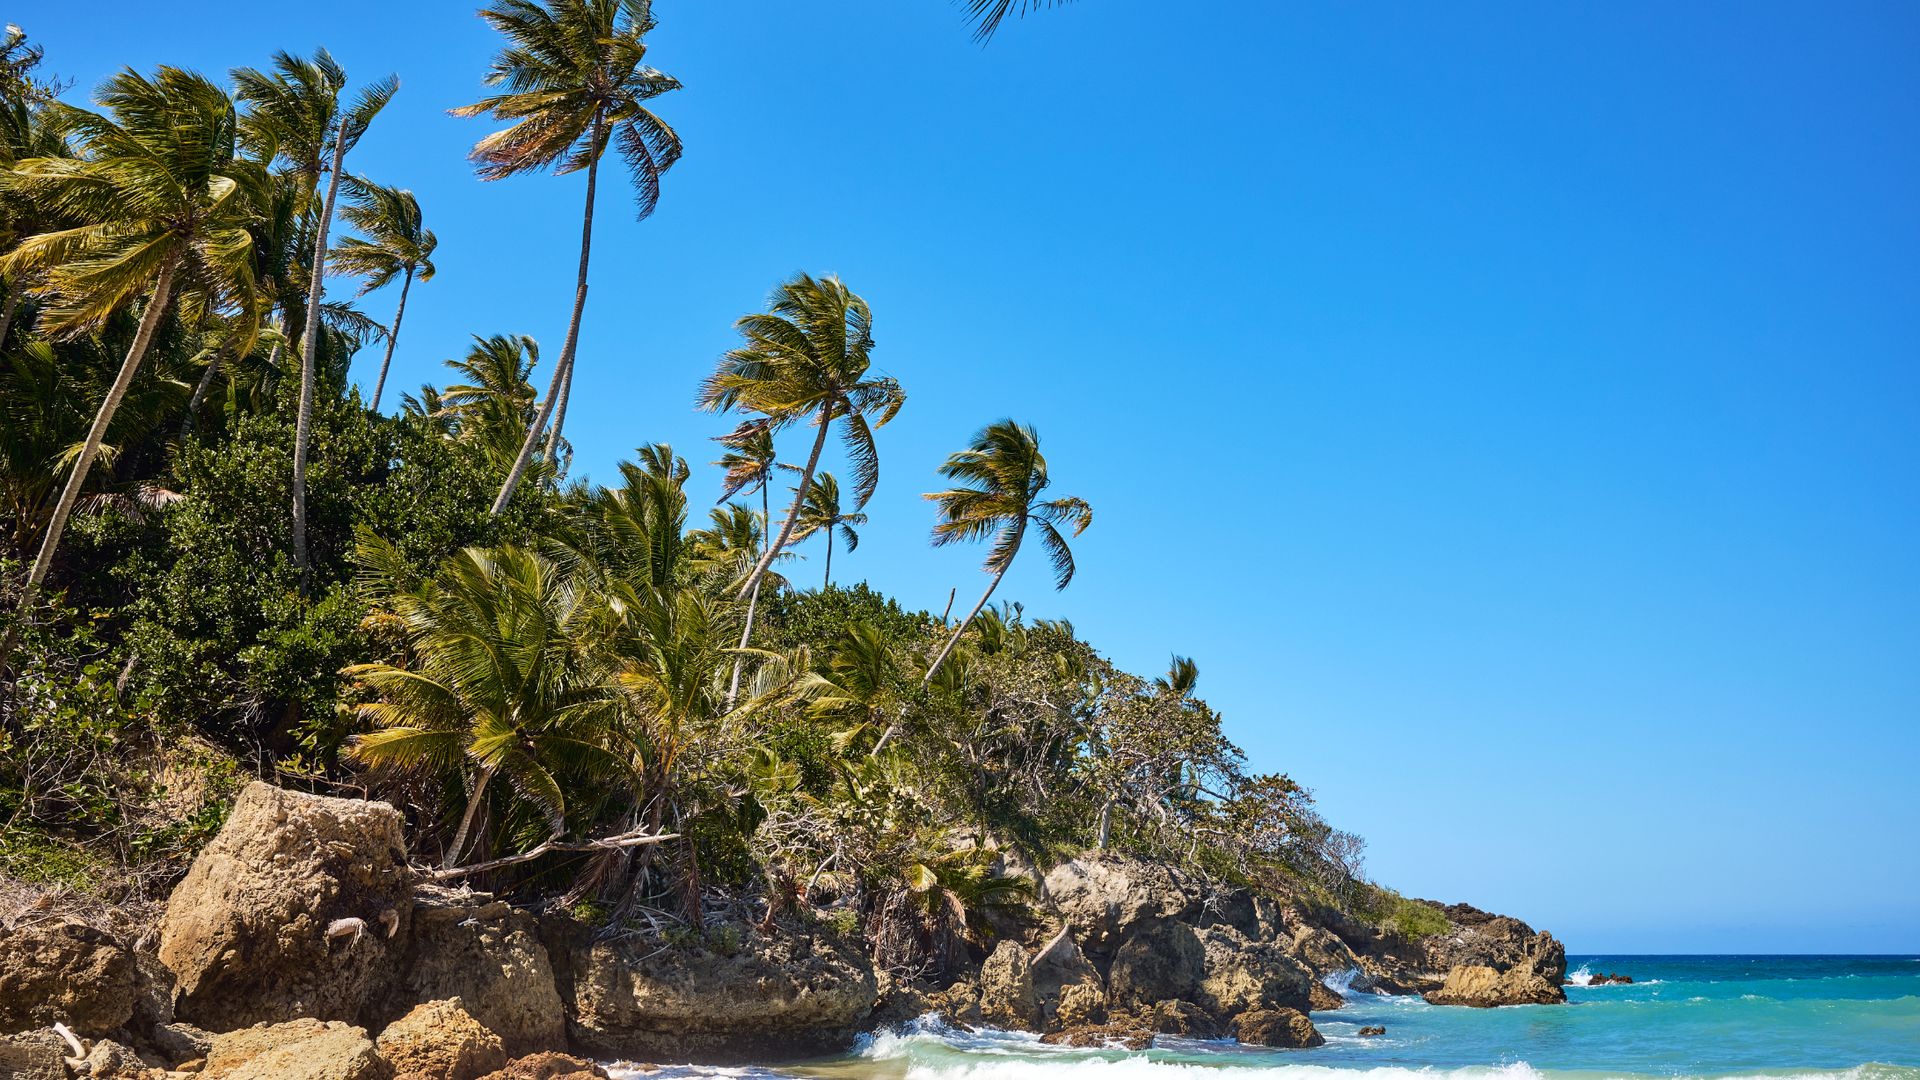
[[900, 1001], [1180, 1018], [492, 958], [1242, 975], [1323, 952], [1079, 1005], [1060, 969], [34, 1055], [1288, 1028], [440, 1040], [180, 1042], [958, 1004], [1482, 939], [1104, 897], [1480, 986], [790, 995], [1118, 1035], [65, 972], [549, 1066], [1006, 989], [300, 907], [1321, 998], [1371, 1030], [296, 1050], [108, 1059], [1159, 961]]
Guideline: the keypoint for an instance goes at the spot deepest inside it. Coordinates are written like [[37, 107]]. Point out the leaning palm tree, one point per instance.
[[808, 356], [573, 81], [748, 465], [394, 243], [1003, 474], [164, 197], [822, 513]]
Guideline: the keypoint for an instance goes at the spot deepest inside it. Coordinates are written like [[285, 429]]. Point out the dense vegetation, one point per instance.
[[221, 562]]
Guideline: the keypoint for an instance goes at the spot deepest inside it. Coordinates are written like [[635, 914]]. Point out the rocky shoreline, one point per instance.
[[302, 946]]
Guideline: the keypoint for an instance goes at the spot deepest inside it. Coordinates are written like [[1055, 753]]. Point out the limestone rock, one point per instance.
[[1482, 987], [1242, 975], [786, 996], [1288, 1028], [492, 958], [1371, 1030], [180, 1042], [1158, 962], [1180, 1018], [1323, 952], [65, 972], [440, 1040], [1119, 1035], [958, 1004], [1079, 1005], [1061, 969], [296, 1050], [1006, 989], [108, 1060], [549, 1066], [1321, 998], [34, 1055], [247, 931], [1104, 897]]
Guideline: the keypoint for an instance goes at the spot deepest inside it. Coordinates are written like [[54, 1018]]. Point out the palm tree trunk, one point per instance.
[[1106, 825], [309, 351], [982, 602], [200, 391], [751, 589], [474, 802], [393, 338], [827, 581], [563, 368], [96, 435]]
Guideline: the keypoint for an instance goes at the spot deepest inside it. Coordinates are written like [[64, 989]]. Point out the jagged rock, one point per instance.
[[1371, 1030], [1104, 897], [1060, 968], [958, 1004], [1320, 998], [66, 972], [1323, 952], [1120, 1035], [180, 1042], [1242, 975], [1288, 1028], [1159, 961], [491, 957], [1482, 987], [300, 907], [899, 1001], [786, 996], [1079, 1005], [1180, 1018], [1482, 939], [152, 992], [108, 1060], [296, 1050], [549, 1066], [1006, 989], [34, 1055], [440, 1040]]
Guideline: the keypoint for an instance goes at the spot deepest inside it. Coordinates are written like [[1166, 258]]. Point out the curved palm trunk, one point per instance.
[[953, 640], [200, 391], [751, 589], [90, 450], [563, 368], [309, 350], [393, 338], [827, 581], [474, 802]]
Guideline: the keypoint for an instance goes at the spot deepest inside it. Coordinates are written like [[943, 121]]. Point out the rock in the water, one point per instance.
[[549, 1066], [68, 973], [958, 1004], [1061, 970], [1103, 897], [34, 1055], [1242, 975], [1079, 1005], [1180, 1018], [1323, 952], [1159, 961], [786, 996], [1482, 939], [1482, 987], [491, 957], [1006, 989], [300, 907], [1287, 1028], [1323, 999], [440, 1040], [1121, 1035], [1371, 1030], [295, 1050]]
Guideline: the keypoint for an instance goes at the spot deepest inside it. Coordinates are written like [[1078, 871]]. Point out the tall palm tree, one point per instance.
[[748, 465], [394, 243], [573, 81], [1003, 474], [164, 197], [297, 110], [822, 513], [807, 356]]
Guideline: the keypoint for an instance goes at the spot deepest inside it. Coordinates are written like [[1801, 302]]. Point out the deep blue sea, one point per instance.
[[1852, 1017]]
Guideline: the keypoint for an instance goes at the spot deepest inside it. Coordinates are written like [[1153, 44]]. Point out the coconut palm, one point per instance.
[[394, 243], [807, 356], [748, 465], [822, 513], [163, 198], [1003, 474], [573, 81], [857, 684]]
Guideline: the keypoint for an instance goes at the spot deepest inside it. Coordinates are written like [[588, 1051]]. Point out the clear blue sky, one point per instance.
[[1514, 407]]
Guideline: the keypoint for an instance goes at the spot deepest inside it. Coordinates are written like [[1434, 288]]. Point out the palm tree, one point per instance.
[[394, 244], [164, 198], [822, 514], [748, 465], [297, 110], [858, 682], [1004, 474], [806, 356], [573, 81], [499, 684]]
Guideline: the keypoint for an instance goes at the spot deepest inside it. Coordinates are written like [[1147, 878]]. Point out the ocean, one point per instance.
[[1844, 1017]]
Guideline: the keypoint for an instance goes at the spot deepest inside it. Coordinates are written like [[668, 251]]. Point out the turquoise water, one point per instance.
[[1856, 1017]]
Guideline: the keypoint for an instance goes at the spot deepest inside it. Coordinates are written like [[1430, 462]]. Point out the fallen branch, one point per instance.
[[625, 840]]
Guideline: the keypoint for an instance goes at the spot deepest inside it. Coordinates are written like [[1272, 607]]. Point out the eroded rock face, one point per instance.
[[491, 957], [1160, 961], [1242, 975], [296, 1050], [1007, 999], [65, 972], [247, 931], [783, 997], [1483, 987], [1104, 897], [34, 1055], [1066, 984], [549, 1066], [1287, 1028], [440, 1040], [1482, 939]]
